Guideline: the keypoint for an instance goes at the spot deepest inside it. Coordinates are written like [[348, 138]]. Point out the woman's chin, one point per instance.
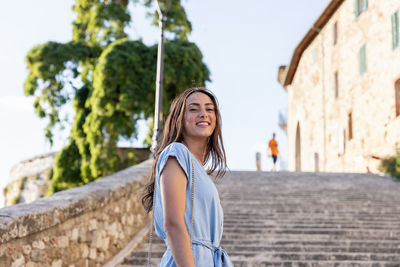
[[202, 136]]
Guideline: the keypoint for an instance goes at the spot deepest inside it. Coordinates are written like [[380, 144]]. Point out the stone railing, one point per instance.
[[83, 226]]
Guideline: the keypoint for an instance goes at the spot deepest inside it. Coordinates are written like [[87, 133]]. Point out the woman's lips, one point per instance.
[[203, 124]]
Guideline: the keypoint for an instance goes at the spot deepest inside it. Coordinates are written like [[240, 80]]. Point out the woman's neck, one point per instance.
[[196, 147]]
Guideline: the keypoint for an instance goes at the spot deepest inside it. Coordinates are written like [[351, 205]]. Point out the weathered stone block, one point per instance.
[[100, 240], [37, 255], [92, 253], [84, 235], [27, 249], [31, 264], [62, 242], [38, 244], [75, 254], [111, 229], [92, 224], [74, 234], [18, 262], [84, 250], [57, 263]]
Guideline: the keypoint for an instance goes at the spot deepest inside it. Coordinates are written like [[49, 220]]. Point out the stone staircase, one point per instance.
[[304, 219]]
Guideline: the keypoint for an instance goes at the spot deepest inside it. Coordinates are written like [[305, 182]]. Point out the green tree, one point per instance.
[[110, 82]]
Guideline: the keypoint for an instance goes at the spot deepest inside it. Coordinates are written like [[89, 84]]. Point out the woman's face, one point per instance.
[[199, 117]]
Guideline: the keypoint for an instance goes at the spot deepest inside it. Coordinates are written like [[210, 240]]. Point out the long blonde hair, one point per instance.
[[173, 132]]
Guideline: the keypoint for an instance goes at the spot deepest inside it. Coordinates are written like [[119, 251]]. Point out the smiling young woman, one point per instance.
[[187, 212]]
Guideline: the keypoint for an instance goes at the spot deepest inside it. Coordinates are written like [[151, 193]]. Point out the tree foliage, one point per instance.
[[110, 82]]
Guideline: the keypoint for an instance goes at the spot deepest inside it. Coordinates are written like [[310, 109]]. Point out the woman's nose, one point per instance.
[[203, 112]]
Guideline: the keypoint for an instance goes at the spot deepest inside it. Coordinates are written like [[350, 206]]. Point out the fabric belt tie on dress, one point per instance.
[[221, 258]]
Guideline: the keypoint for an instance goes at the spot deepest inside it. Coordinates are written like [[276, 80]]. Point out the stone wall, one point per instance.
[[83, 226], [370, 98], [30, 179]]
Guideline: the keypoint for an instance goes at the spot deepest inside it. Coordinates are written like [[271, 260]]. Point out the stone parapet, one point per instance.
[[83, 226]]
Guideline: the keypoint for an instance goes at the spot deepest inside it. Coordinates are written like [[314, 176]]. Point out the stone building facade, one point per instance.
[[343, 85]]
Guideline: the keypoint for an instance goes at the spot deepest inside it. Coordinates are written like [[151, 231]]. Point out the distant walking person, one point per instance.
[[273, 151]]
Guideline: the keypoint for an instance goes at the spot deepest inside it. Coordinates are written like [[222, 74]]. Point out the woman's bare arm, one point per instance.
[[173, 194]]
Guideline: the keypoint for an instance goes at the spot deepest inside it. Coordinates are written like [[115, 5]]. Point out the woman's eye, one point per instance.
[[210, 109], [192, 109]]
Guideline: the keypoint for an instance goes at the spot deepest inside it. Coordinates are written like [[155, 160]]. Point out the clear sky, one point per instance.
[[243, 44]]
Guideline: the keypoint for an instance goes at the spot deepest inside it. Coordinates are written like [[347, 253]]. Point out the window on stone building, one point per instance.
[[336, 85], [350, 126], [360, 6], [363, 60], [335, 33], [397, 96], [395, 30]]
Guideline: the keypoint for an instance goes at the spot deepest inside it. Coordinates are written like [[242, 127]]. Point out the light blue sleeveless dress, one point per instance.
[[207, 217]]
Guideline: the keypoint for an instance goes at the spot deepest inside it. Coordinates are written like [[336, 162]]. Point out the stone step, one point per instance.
[[279, 241], [292, 253], [261, 261], [300, 264], [267, 248], [334, 243], [307, 221], [303, 219], [236, 214], [282, 204], [335, 214], [315, 256], [313, 263], [228, 227], [327, 236], [306, 228]]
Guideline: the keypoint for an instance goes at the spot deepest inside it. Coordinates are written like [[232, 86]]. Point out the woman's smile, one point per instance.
[[203, 124]]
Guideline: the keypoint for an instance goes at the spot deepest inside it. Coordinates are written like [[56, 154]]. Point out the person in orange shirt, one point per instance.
[[273, 151]]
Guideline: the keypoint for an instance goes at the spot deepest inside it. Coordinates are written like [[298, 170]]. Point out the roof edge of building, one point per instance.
[[308, 38]]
